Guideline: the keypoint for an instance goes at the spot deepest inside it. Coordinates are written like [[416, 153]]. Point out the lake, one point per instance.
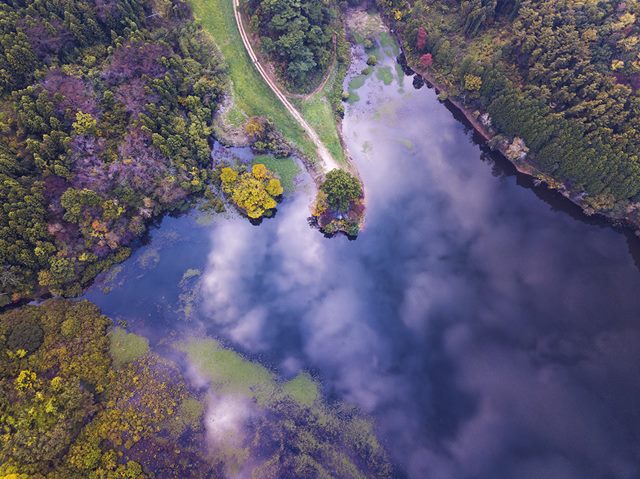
[[487, 327]]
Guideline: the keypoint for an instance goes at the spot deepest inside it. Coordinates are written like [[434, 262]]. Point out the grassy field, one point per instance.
[[319, 114], [251, 95], [286, 168]]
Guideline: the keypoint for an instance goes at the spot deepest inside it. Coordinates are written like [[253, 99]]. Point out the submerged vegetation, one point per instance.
[[79, 403], [294, 431]]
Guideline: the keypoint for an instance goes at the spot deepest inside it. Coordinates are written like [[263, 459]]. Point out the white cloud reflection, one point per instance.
[[444, 319]]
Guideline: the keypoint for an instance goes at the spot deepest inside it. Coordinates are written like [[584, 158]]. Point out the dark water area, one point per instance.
[[489, 329]]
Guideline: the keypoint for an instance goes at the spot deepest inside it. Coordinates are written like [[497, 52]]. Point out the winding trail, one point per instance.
[[328, 162]]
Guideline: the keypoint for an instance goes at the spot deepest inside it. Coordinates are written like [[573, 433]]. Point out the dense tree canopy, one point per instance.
[[254, 192], [105, 115], [297, 35], [67, 412], [341, 188]]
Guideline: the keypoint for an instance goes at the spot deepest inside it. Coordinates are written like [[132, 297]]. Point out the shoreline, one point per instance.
[[522, 166]]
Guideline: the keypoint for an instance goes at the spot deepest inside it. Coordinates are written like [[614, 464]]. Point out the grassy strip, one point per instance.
[[319, 114], [286, 168], [320, 109], [251, 95]]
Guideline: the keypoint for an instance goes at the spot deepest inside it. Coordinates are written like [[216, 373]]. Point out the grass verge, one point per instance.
[[286, 168], [251, 95]]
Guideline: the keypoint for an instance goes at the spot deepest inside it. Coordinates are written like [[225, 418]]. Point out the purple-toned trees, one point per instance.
[[88, 164], [47, 39], [134, 97], [134, 60], [72, 93], [426, 60], [139, 163]]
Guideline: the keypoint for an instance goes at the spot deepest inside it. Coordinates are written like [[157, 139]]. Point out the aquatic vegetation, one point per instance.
[[188, 275], [229, 372], [126, 347], [302, 389], [149, 258], [290, 431], [385, 75], [189, 291]]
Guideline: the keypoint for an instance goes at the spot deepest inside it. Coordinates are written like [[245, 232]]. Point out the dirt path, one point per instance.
[[328, 163]]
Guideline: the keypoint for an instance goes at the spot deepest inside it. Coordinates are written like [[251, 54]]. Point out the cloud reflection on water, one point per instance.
[[489, 336]]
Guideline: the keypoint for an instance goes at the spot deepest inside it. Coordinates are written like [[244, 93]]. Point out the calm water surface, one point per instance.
[[489, 333]]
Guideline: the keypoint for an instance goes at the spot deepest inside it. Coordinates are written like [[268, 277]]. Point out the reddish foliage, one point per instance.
[[134, 60], [134, 96], [421, 39], [46, 40], [91, 171], [426, 60], [75, 94], [140, 164]]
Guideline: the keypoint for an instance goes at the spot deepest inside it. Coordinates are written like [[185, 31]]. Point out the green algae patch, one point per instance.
[[188, 416], [228, 371], [385, 75], [389, 45], [357, 82], [400, 75], [126, 347], [231, 373], [302, 389]]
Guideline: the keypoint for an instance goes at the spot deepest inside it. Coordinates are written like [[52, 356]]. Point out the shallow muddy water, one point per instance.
[[488, 328]]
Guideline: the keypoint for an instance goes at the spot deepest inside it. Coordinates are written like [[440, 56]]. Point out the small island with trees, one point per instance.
[[339, 206]]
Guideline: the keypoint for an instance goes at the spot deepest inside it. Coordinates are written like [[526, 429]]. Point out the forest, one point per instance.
[[563, 76], [297, 35], [105, 119]]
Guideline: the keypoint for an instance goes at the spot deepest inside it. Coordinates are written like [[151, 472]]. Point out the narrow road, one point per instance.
[[328, 163]]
